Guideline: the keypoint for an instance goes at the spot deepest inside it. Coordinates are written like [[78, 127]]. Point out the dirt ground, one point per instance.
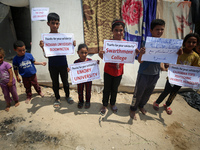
[[39, 126]]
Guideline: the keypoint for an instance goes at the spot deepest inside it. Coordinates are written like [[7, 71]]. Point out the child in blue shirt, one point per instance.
[[24, 63]]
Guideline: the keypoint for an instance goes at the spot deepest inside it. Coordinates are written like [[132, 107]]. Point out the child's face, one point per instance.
[[21, 51], [157, 31], [198, 49], [54, 25], [189, 44], [1, 58], [82, 53], [118, 32]]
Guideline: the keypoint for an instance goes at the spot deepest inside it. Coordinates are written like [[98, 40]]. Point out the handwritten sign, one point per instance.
[[84, 72], [119, 51], [56, 44], [39, 13], [183, 75], [162, 50]]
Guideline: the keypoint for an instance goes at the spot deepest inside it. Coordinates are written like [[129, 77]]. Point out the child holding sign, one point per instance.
[[113, 71], [148, 73], [189, 57], [57, 64], [82, 53], [7, 82]]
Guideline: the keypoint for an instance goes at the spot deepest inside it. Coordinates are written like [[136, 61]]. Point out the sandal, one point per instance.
[[114, 108], [69, 100], [167, 109], [87, 105], [155, 106], [56, 104], [132, 114], [103, 110], [80, 105], [7, 107]]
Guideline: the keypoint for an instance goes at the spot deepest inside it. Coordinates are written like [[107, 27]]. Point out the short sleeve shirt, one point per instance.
[[25, 65], [4, 74]]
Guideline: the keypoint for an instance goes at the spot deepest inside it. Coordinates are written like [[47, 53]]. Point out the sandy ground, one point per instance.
[[39, 126]]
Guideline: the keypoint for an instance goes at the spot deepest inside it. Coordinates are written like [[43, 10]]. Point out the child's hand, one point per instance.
[[101, 54], [18, 79], [41, 44], [9, 84], [68, 69], [97, 61], [44, 63], [137, 51], [180, 52], [74, 42], [142, 50]]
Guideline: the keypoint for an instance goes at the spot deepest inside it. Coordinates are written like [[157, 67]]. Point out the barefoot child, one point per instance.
[[24, 63], [7, 82], [82, 53], [189, 57], [113, 71]]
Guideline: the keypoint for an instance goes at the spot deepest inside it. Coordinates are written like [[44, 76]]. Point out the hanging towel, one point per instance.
[[177, 16], [97, 18]]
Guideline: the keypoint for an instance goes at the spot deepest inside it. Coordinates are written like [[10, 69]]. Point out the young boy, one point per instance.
[[25, 64], [58, 64], [148, 73]]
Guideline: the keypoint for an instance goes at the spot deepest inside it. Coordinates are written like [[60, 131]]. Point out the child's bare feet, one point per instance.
[[16, 103], [143, 111], [27, 100], [41, 94], [132, 115], [7, 107]]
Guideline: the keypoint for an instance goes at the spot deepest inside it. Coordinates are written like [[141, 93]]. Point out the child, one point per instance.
[[148, 73], [7, 82], [57, 64], [83, 52], [113, 71], [25, 64], [189, 57]]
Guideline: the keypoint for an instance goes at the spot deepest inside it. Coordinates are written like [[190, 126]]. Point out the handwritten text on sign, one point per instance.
[[56, 44], [182, 75], [119, 51], [84, 72], [162, 50], [39, 13]]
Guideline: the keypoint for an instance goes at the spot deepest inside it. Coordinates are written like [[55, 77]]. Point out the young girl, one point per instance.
[[189, 57], [112, 71], [7, 82], [83, 52]]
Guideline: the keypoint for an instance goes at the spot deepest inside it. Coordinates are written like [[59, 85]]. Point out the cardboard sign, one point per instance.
[[39, 13], [84, 72], [56, 44], [161, 50], [183, 75], [119, 51]]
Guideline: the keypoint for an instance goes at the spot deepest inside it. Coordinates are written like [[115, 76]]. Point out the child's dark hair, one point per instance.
[[156, 22], [2, 52], [117, 22], [18, 44], [53, 16], [82, 46], [191, 35]]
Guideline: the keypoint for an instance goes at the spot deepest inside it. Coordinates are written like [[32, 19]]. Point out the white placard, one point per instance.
[[162, 50], [39, 13], [119, 51], [84, 72], [56, 44], [183, 75]]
